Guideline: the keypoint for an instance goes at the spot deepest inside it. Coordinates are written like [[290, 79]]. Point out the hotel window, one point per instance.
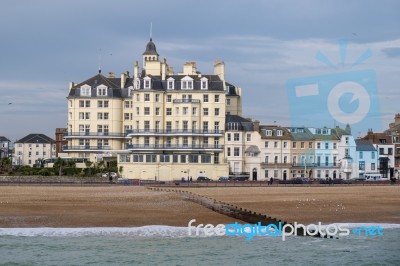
[[147, 111], [169, 111], [284, 144], [361, 155], [275, 144], [126, 116], [147, 125], [205, 141], [101, 90], [268, 132], [373, 155], [228, 101], [194, 125], [236, 137], [205, 98], [266, 174], [334, 160], [266, 144], [146, 97], [137, 111], [302, 145], [169, 126], [87, 103], [185, 126], [326, 145], [169, 98], [334, 145], [216, 126], [157, 110], [216, 98], [285, 160], [194, 111], [294, 145], [279, 133], [205, 111], [236, 151], [310, 145], [216, 111], [248, 137], [137, 158], [318, 145], [205, 126], [147, 83], [228, 151], [204, 83], [228, 136], [126, 104], [361, 165], [138, 97], [157, 97], [170, 84], [372, 166], [347, 140], [86, 91], [81, 103], [185, 111], [157, 126], [326, 160], [137, 84]]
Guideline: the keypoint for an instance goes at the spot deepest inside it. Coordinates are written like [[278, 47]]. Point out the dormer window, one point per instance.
[[130, 91], [268, 132], [279, 133], [147, 83], [187, 83], [101, 90], [170, 84], [86, 91], [204, 83]]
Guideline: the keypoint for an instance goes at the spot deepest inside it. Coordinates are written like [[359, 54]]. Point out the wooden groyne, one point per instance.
[[233, 211]]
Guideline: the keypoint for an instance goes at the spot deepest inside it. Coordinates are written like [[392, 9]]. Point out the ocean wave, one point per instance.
[[142, 231]]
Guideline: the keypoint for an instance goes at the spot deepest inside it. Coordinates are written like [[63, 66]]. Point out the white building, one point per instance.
[[31, 149]]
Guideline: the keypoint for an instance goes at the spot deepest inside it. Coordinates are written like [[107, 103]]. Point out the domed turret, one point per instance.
[[150, 48]]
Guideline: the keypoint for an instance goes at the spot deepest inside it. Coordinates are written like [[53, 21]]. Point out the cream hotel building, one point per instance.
[[156, 124]]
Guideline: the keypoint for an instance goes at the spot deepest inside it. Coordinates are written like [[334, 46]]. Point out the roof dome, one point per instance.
[[150, 48]]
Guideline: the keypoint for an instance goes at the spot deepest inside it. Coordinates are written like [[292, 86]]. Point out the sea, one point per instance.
[[166, 245]]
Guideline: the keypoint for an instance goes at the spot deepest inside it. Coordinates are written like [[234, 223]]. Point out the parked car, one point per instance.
[[113, 175], [203, 178], [223, 178], [240, 178], [300, 180]]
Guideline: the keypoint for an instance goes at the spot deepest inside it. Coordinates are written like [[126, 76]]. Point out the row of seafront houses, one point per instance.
[[258, 152], [159, 125]]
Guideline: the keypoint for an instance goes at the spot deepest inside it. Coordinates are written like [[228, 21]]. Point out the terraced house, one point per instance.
[[157, 124]]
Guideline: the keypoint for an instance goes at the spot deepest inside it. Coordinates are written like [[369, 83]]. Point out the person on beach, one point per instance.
[[110, 179]]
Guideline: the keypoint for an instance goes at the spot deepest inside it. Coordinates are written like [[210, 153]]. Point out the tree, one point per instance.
[[89, 165], [59, 164]]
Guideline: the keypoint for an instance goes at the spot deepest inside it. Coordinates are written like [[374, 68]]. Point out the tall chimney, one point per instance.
[[136, 70], [219, 69]]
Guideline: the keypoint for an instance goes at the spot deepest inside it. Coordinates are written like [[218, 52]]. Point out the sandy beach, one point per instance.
[[128, 206]]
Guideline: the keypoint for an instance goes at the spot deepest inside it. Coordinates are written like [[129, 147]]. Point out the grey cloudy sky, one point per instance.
[[45, 44]]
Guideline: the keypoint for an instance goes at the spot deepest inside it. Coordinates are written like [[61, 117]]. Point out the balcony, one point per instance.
[[275, 165], [102, 135], [86, 148], [315, 165], [186, 101], [170, 147], [170, 132]]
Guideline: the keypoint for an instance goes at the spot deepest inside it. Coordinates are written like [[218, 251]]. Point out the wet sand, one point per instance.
[[128, 206]]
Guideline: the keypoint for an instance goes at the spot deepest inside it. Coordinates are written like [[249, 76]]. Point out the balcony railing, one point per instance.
[[173, 147], [131, 132], [86, 147], [277, 165], [186, 101], [315, 165], [94, 134]]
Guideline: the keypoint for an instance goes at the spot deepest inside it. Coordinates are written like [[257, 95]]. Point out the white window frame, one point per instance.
[[86, 90], [147, 83], [170, 84], [101, 91], [204, 83], [187, 83]]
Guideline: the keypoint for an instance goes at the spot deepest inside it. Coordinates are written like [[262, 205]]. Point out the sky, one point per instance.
[[265, 45]]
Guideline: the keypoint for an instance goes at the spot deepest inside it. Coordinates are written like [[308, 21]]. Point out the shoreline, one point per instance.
[[25, 206]]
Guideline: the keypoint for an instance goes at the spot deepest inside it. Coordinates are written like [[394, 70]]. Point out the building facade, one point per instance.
[[33, 148], [157, 124], [4, 147]]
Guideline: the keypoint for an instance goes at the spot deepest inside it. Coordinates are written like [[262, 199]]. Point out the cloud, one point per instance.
[[391, 52]]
